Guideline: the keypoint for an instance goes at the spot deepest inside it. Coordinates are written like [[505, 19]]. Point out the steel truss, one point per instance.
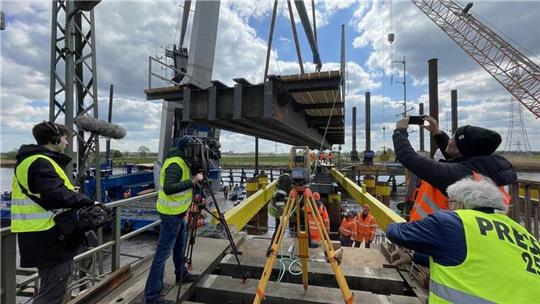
[[73, 78], [515, 72]]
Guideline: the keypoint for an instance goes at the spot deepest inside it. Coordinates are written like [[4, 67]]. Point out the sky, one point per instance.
[[128, 32]]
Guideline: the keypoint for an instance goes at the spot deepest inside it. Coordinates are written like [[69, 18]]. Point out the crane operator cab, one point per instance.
[[300, 165]]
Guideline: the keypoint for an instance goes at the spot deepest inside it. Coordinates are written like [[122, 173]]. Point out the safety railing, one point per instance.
[[235, 175], [162, 67], [524, 207], [88, 264], [174, 74]]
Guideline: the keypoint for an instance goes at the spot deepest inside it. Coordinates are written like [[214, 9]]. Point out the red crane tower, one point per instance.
[[515, 72]]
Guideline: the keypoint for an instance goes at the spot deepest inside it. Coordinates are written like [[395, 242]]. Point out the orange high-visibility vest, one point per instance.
[[430, 199], [348, 228], [366, 227], [313, 231]]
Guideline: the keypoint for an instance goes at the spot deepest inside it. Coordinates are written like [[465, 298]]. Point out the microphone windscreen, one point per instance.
[[99, 127]]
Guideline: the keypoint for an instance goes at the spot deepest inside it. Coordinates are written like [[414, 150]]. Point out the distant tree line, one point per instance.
[[142, 151]]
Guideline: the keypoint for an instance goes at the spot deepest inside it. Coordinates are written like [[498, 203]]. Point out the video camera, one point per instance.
[[300, 165], [198, 153]]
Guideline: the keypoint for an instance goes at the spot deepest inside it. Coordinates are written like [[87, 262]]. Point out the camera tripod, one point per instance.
[[197, 205], [298, 195]]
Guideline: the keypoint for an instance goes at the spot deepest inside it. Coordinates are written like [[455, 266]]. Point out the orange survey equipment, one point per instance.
[[430, 199], [303, 195]]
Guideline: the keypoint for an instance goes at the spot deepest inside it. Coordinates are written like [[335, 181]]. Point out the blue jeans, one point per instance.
[[172, 236]]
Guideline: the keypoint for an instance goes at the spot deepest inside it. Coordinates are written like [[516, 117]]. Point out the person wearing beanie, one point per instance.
[[469, 152]]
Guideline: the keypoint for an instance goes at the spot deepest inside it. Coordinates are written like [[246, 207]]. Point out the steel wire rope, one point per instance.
[[277, 62], [177, 23], [328, 123], [384, 74], [177, 26], [498, 31]]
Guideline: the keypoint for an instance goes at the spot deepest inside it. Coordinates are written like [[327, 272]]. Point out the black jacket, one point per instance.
[[42, 248], [442, 174], [173, 176]]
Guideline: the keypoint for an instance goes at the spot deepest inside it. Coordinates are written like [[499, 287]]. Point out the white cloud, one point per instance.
[[482, 100], [127, 34]]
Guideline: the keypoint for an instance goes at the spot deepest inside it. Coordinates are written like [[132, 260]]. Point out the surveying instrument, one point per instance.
[[302, 199]]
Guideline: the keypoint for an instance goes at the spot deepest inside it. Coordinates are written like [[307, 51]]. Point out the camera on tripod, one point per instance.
[[200, 154], [300, 165]]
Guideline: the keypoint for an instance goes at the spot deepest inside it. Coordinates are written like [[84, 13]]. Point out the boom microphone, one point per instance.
[[99, 127]]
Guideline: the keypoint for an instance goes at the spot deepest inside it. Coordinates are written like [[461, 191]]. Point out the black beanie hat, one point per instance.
[[476, 141]]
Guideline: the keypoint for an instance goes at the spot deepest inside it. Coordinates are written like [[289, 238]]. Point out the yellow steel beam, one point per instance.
[[240, 215], [381, 212]]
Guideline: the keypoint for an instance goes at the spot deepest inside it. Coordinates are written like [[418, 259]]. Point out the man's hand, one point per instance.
[[402, 257], [433, 126], [197, 178], [403, 123]]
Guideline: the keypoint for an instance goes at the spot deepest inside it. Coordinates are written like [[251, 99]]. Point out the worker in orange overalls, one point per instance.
[[366, 225], [331, 158], [321, 156], [348, 230], [314, 234]]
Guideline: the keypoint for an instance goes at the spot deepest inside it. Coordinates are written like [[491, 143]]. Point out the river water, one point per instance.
[[6, 174]]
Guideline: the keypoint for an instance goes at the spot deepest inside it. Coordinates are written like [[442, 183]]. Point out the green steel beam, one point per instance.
[[240, 215], [384, 215]]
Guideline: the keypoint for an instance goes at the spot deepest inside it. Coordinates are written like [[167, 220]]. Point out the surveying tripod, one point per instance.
[[197, 205], [298, 195]]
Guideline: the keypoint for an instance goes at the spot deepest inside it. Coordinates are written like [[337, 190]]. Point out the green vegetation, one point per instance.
[[265, 159], [248, 160]]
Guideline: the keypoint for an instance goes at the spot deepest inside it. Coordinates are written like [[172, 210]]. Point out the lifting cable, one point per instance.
[[177, 23], [342, 95], [295, 36], [270, 37], [329, 119]]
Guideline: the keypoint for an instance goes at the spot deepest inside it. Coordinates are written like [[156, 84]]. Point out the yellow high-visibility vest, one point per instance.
[[26, 215], [175, 203], [502, 264]]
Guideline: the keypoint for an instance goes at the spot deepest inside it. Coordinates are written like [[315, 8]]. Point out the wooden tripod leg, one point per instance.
[[302, 236], [276, 244], [348, 296]]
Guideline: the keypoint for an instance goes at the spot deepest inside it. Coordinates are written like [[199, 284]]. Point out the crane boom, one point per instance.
[[515, 72]]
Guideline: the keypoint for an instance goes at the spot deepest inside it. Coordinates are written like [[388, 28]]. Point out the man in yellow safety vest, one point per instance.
[[40, 188], [174, 199], [475, 253]]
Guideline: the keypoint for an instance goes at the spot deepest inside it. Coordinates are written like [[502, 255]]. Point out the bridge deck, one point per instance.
[[292, 109]]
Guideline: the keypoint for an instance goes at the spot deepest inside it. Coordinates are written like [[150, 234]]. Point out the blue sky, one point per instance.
[[127, 34]]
